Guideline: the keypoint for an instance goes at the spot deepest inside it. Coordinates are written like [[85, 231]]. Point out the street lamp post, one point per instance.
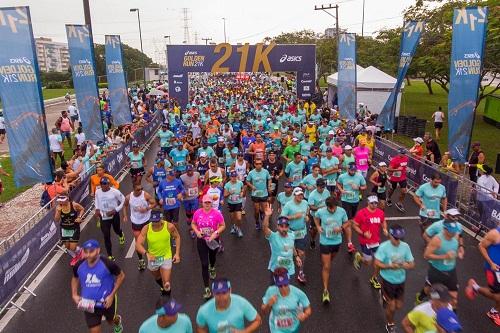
[[166, 55], [140, 37], [224, 19]]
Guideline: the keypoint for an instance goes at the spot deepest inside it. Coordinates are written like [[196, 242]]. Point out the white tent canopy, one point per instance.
[[373, 88]]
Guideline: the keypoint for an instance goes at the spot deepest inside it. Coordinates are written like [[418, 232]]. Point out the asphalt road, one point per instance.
[[354, 307]]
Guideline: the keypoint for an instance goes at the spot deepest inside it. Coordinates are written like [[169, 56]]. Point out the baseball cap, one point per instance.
[[381, 164], [397, 231], [419, 140], [189, 167], [233, 174], [203, 154], [91, 244], [288, 184], [295, 139], [283, 220], [179, 143], [372, 199], [331, 133], [402, 150], [352, 166], [221, 286], [281, 280], [320, 182], [158, 160], [104, 181], [451, 226], [171, 308], [135, 144], [328, 150], [62, 198], [207, 198], [448, 320], [170, 173], [220, 139], [297, 191], [452, 212], [347, 147], [155, 216], [476, 144], [439, 292]]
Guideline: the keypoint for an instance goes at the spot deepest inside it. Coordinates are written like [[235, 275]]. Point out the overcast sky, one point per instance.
[[247, 20]]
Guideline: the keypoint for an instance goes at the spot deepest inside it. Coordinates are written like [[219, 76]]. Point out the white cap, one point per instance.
[[203, 154], [452, 212], [347, 147], [381, 164], [295, 139], [419, 140], [297, 191], [220, 139], [331, 133], [372, 198]]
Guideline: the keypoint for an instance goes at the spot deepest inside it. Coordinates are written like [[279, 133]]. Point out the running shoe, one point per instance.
[[121, 239], [301, 277], [239, 233], [243, 212], [351, 248], [390, 328], [374, 282], [326, 297], [357, 260], [312, 245], [165, 292], [112, 258], [207, 294], [400, 207], [233, 229], [388, 203], [212, 272], [258, 226], [117, 324], [78, 256], [141, 265], [469, 289], [494, 316]]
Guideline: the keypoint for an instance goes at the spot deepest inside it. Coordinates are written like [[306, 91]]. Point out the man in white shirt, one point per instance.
[[438, 117], [56, 144], [487, 191], [108, 203], [73, 114]]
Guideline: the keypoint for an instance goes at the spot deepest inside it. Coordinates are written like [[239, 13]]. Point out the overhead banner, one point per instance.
[[467, 45], [223, 58], [22, 100], [81, 56], [117, 82], [346, 89], [409, 40]]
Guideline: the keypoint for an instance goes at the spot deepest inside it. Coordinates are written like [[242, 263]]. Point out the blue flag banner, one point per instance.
[[81, 56], [117, 82], [346, 89], [409, 40], [467, 45], [21, 96]]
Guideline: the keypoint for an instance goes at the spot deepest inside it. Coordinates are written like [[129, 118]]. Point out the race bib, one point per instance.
[[396, 174], [363, 161], [372, 246], [349, 195], [192, 191], [330, 182], [221, 160], [273, 186], [67, 232], [158, 261], [180, 163], [206, 231], [431, 213], [381, 189], [171, 201], [300, 234], [330, 232], [497, 274], [258, 193], [296, 177], [234, 197], [135, 165], [284, 262], [283, 322]]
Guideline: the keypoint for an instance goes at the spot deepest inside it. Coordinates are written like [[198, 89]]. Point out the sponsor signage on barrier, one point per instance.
[[417, 172], [21, 95], [346, 89], [19, 261], [225, 57]]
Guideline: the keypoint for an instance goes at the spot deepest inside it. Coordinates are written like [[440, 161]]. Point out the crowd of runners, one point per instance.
[[312, 183]]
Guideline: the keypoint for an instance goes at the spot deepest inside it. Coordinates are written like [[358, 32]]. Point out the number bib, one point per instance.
[[283, 322], [221, 160], [158, 261], [330, 232], [258, 193], [300, 234], [273, 186], [330, 182], [297, 177], [349, 195], [234, 197], [284, 262], [363, 161], [134, 165], [192, 191], [171, 201], [381, 189], [431, 212], [179, 163], [67, 232]]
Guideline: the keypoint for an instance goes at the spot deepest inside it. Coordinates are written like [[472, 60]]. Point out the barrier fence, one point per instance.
[[22, 252], [479, 206]]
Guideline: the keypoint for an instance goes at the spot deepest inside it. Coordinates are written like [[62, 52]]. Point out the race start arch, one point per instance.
[[223, 58]]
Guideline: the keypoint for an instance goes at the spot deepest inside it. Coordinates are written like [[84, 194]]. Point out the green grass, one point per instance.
[[417, 102], [54, 93]]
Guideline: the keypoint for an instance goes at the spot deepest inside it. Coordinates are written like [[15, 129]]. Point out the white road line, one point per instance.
[[397, 218], [131, 250]]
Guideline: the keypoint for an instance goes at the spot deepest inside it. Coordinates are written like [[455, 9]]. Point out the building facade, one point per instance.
[[52, 56]]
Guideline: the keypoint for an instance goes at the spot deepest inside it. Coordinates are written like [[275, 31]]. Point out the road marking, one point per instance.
[[131, 250], [397, 218]]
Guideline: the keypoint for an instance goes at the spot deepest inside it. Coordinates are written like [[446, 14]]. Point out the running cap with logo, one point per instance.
[[171, 308], [295, 139], [233, 174], [203, 154], [418, 140], [207, 198], [288, 184], [452, 212], [91, 244], [281, 280], [402, 150], [104, 181], [170, 173], [221, 286], [352, 166], [372, 199], [397, 231], [283, 220], [297, 191], [382, 164], [439, 292], [320, 182], [451, 226], [155, 216], [189, 167], [215, 179], [347, 147]]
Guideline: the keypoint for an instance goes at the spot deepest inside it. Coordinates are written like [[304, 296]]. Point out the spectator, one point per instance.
[[79, 138], [447, 164], [487, 191], [2, 172], [438, 117], [95, 180], [2, 128], [476, 159], [433, 153], [72, 176], [58, 186], [417, 150], [65, 126], [73, 113], [55, 143]]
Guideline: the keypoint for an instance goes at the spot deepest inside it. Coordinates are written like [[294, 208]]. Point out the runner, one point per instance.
[[489, 248], [140, 203], [227, 312], [69, 215], [431, 198], [234, 192], [275, 169], [295, 170], [362, 157], [379, 181], [297, 212], [347, 158], [452, 215], [316, 201], [167, 319], [171, 192], [349, 185], [165, 136], [157, 173], [330, 222], [285, 196], [99, 280], [367, 224], [191, 182], [158, 234], [291, 150], [308, 183], [259, 182], [288, 305], [208, 224], [179, 157], [393, 258], [108, 203], [330, 169], [242, 168], [137, 163], [214, 171], [397, 177], [202, 166]]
